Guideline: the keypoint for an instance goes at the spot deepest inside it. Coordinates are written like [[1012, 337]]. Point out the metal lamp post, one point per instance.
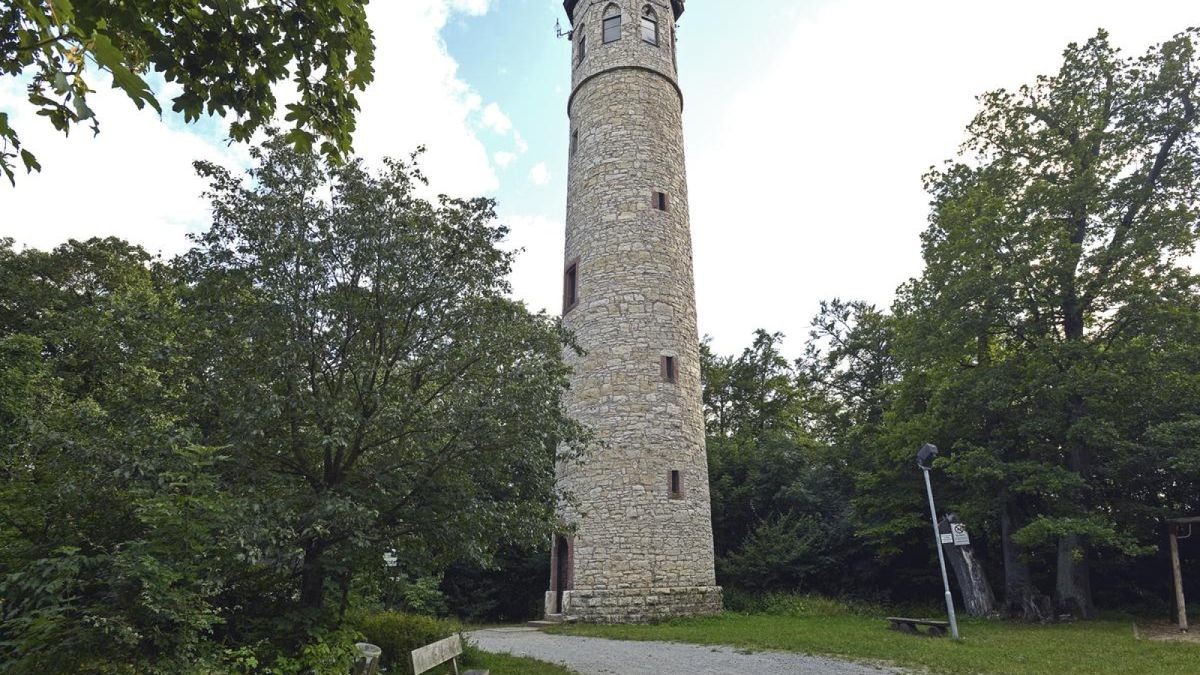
[[925, 457]]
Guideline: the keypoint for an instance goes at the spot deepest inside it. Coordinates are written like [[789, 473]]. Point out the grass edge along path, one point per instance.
[[817, 626], [507, 664]]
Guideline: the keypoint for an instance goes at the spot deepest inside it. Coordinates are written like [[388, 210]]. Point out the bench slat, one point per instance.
[[431, 656], [918, 622]]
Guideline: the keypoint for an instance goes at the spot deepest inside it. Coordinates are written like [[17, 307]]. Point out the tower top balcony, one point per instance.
[[569, 5]]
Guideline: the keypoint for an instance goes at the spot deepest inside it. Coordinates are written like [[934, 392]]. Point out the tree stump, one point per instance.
[[968, 570]]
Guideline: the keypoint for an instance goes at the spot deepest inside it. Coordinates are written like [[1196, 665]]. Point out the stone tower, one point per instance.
[[637, 538]]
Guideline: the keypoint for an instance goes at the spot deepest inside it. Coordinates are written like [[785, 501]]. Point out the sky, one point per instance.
[[809, 124]]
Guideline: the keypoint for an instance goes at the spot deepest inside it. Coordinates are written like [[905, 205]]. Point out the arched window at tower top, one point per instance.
[[612, 24], [649, 26]]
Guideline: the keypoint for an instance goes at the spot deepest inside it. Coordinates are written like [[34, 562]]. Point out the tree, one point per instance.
[[361, 362], [779, 515], [108, 512], [224, 56], [1046, 252]]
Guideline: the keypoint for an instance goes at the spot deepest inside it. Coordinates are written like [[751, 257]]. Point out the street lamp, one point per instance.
[[925, 457]]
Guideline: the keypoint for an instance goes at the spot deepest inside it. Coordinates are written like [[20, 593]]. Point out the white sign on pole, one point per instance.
[[959, 533], [947, 538]]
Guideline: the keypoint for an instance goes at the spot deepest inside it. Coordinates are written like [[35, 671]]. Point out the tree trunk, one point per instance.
[[968, 570], [1021, 598], [312, 577], [1073, 588]]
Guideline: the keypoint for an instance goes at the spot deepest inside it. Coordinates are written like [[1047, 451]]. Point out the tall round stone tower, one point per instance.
[[637, 539]]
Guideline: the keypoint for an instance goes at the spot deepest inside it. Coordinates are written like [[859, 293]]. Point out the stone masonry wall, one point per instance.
[[639, 552]]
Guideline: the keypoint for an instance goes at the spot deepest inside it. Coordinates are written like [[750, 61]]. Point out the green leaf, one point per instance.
[[111, 58], [31, 163], [64, 12]]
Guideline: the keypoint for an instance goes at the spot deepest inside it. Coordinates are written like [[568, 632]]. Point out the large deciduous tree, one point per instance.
[[1048, 252], [365, 368]]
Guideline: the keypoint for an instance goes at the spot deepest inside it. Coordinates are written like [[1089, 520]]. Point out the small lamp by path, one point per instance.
[[925, 457]]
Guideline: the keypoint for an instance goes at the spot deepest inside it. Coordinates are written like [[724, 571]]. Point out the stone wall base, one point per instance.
[[641, 605]]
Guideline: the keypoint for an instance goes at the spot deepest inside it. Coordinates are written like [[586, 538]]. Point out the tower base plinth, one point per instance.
[[641, 605]]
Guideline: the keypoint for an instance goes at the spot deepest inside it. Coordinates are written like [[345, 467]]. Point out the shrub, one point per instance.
[[781, 553], [743, 602], [398, 634], [783, 604]]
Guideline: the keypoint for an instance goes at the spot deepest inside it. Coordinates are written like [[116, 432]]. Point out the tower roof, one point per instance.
[[569, 5]]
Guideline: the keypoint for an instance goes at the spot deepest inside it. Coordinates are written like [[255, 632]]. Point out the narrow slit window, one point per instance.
[[612, 24], [582, 45], [659, 200], [574, 142], [674, 52], [571, 287], [676, 484], [650, 27], [668, 369]]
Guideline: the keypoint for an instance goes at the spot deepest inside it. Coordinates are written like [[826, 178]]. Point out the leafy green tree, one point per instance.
[[779, 518], [108, 512], [1066, 230], [364, 368], [224, 56]]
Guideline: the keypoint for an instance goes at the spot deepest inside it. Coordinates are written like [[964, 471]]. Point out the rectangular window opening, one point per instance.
[[612, 29], [574, 142], [582, 47], [676, 484], [668, 369], [571, 287], [649, 31], [659, 199]]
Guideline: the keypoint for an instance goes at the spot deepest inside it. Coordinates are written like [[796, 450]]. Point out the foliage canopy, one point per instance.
[[224, 56]]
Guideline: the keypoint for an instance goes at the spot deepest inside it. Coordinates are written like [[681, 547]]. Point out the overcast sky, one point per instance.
[[809, 124]]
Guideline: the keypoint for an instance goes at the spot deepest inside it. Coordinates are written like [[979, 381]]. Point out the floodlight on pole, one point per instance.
[[925, 457]]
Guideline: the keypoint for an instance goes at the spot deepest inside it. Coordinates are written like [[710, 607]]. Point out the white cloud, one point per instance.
[[496, 120], [522, 146], [472, 7], [504, 159], [539, 174], [418, 98], [537, 273], [134, 180]]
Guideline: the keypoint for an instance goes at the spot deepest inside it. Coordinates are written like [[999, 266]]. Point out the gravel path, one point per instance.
[[595, 656]]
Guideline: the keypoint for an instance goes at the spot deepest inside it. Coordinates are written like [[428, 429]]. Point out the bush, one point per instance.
[[510, 590], [782, 553], [797, 605], [398, 634], [416, 595], [783, 604]]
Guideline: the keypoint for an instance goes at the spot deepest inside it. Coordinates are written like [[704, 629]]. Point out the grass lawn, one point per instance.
[[505, 664], [817, 626]]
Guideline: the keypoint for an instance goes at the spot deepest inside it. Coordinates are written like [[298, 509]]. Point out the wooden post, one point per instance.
[[1179, 603]]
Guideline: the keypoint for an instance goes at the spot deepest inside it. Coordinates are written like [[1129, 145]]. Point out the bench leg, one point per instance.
[[937, 631], [905, 628]]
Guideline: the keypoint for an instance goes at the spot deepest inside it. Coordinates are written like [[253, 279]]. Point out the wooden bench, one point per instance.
[[431, 656], [936, 628]]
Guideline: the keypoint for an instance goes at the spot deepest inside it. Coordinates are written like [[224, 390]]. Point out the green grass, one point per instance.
[[505, 664], [816, 626]]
